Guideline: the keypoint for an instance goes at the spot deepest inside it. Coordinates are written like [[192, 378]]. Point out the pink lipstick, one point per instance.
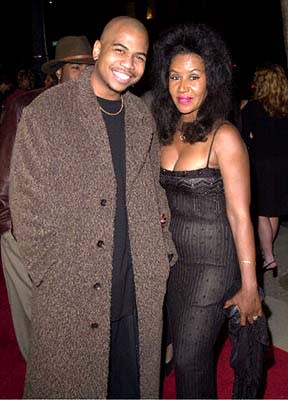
[[184, 100]]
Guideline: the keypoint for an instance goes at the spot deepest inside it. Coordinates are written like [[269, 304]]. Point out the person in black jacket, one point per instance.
[[264, 129]]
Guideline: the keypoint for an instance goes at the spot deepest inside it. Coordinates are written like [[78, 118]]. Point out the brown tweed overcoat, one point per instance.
[[61, 172]]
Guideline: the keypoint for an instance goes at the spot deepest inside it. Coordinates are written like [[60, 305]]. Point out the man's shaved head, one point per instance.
[[121, 21]]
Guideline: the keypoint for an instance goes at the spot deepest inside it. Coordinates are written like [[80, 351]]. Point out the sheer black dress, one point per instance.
[[206, 269]]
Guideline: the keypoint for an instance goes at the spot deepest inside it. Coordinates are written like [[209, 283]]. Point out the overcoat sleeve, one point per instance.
[[7, 137], [33, 219]]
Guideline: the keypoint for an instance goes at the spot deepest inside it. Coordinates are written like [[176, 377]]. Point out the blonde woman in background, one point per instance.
[[265, 130]]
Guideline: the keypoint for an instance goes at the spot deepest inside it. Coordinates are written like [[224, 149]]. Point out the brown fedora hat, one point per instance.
[[70, 49]]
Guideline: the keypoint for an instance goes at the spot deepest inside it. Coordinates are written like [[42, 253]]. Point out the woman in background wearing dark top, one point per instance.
[[205, 172], [265, 131]]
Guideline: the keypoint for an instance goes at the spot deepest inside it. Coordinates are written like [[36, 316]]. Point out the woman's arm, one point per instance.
[[231, 155]]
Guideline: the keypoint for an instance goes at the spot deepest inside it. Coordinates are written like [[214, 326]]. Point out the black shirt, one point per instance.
[[123, 294]]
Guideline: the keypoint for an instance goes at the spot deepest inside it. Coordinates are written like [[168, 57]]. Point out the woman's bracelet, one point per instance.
[[247, 262]]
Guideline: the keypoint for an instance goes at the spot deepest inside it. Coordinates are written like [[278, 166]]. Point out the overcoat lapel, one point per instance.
[[138, 142]]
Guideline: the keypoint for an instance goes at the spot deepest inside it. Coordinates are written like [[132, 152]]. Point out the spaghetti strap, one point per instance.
[[212, 141], [210, 149]]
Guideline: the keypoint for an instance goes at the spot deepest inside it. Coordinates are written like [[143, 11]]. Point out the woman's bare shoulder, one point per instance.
[[228, 137]]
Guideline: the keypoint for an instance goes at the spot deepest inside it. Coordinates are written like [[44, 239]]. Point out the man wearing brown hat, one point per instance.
[[73, 54], [85, 168]]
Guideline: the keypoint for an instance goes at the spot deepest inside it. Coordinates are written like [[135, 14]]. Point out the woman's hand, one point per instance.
[[248, 303]]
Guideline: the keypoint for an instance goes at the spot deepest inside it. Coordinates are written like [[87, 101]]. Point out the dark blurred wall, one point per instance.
[[15, 34], [39, 46], [252, 28]]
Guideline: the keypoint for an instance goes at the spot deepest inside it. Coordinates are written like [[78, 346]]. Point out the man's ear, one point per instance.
[[58, 73], [96, 50]]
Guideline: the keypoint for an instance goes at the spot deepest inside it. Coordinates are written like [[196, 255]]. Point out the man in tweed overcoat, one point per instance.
[[86, 208]]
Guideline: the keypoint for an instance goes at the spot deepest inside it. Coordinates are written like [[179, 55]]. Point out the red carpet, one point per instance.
[[277, 376], [12, 366]]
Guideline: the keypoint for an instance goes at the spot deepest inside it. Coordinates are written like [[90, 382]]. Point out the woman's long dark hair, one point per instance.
[[206, 43]]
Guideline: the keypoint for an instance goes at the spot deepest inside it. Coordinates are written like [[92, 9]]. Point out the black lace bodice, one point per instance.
[[201, 190], [198, 214]]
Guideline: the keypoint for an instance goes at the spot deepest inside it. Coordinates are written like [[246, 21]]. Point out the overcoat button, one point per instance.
[[103, 202], [100, 243], [97, 286], [94, 325]]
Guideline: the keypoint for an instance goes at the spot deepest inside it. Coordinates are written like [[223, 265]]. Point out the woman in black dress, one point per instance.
[[265, 130], [205, 173]]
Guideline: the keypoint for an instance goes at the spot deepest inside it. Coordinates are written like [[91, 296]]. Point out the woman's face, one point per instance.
[[187, 84]]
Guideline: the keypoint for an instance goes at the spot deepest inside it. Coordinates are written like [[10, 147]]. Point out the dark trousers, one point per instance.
[[123, 369]]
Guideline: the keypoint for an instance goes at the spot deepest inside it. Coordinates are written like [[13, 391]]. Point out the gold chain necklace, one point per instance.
[[117, 112]]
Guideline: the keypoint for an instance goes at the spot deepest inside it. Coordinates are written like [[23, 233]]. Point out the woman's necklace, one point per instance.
[[180, 129], [117, 112], [182, 137]]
